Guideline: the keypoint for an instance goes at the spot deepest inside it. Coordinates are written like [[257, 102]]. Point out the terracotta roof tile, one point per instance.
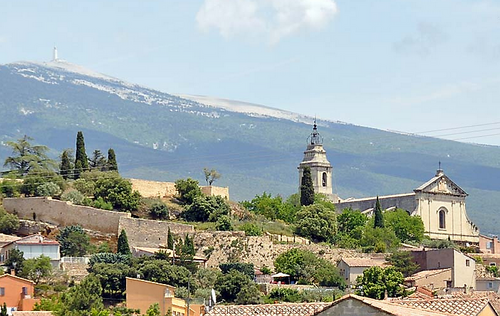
[[364, 262], [457, 306], [291, 309]]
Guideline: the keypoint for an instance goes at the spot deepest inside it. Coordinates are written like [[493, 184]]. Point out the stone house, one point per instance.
[[351, 268], [462, 266], [488, 284], [17, 293], [141, 294], [431, 279], [489, 244]]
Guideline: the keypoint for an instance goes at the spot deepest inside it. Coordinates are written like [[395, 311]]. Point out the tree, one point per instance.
[[350, 220], [36, 268], [316, 222], [9, 223], [26, 156], [112, 277], [188, 190], [206, 208], [162, 271], [15, 261], [112, 164], [74, 241], [48, 189], [153, 310], [376, 280], [159, 210], [272, 207], [81, 154], [78, 169], [82, 298], [211, 175], [403, 262], [170, 239], [379, 217], [379, 239], [3, 310], [108, 257], [65, 168], [117, 191], [36, 178], [224, 223], [306, 188], [230, 284], [97, 161], [123, 247], [407, 228], [249, 295]]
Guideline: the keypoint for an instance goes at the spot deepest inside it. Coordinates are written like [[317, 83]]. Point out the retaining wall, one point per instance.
[[64, 213]]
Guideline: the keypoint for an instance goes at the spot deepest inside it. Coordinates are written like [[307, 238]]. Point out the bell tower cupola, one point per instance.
[[321, 169]]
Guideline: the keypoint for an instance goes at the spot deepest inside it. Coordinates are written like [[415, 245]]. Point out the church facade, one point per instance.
[[439, 202]]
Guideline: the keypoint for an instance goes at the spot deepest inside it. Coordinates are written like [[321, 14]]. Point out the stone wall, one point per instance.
[[404, 201], [63, 213], [223, 247], [150, 233], [167, 189]]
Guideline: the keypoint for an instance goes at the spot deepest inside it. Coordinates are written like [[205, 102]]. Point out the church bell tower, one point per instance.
[[321, 169]]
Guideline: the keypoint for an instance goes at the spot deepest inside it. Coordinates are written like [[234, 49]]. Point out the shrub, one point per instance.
[[188, 190], [85, 187], [73, 196], [224, 223], [245, 268], [111, 258], [159, 210], [100, 203], [251, 229], [9, 223], [10, 187], [206, 208], [48, 189]]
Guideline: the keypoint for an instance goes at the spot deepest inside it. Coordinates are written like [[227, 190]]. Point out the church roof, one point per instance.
[[441, 184]]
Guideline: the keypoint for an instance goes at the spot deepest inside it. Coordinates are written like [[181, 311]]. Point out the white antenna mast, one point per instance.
[[54, 56]]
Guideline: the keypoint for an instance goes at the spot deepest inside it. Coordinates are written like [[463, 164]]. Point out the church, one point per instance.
[[440, 202]]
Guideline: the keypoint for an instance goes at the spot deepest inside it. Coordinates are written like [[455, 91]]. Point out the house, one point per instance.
[[431, 279], [148, 251], [33, 247], [32, 313], [462, 266], [295, 309], [488, 259], [489, 244], [17, 293], [451, 306], [5, 239], [488, 284], [351, 268], [141, 294]]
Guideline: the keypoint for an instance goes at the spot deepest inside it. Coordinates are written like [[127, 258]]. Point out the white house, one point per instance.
[[33, 247]]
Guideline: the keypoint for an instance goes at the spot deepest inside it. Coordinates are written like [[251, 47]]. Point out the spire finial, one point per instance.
[[315, 138], [440, 170]]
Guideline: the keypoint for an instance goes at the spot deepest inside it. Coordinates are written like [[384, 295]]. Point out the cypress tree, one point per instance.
[[123, 247], [112, 164], [188, 248], [65, 167], [306, 188], [81, 154], [379, 217], [78, 169], [170, 240]]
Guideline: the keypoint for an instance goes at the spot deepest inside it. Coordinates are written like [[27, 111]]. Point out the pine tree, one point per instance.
[[112, 164], [81, 154], [97, 161], [123, 247], [306, 188], [3, 310], [170, 239], [379, 217], [65, 167]]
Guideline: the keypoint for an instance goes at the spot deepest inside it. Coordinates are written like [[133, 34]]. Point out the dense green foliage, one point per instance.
[[26, 157], [407, 228], [73, 196], [306, 188], [163, 271], [159, 210], [9, 223], [117, 191], [15, 261], [170, 239], [403, 262], [188, 190], [245, 268], [376, 280], [236, 286], [272, 207], [65, 167], [251, 229], [305, 267], [36, 178], [378, 239], [74, 241], [97, 161], [111, 258], [378, 216], [81, 154], [317, 223], [48, 189], [37, 268], [224, 223], [123, 247], [112, 164], [81, 298], [210, 175], [206, 208]]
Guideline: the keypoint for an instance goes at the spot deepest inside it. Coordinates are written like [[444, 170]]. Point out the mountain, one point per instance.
[[162, 136]]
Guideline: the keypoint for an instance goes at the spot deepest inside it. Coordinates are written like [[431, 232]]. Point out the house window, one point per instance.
[[490, 285], [442, 219], [493, 264], [489, 245], [2, 291], [25, 290], [325, 178], [467, 263]]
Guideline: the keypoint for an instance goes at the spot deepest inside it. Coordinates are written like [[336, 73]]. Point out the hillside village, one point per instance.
[[79, 239]]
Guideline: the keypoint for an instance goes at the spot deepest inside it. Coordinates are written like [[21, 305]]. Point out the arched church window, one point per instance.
[[442, 219], [325, 177]]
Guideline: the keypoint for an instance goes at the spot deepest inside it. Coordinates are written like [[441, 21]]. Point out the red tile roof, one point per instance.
[[456, 306]]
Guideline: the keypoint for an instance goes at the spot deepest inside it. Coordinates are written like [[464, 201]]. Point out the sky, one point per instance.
[[430, 67]]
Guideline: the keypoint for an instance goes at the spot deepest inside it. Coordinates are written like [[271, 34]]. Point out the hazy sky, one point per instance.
[[413, 66]]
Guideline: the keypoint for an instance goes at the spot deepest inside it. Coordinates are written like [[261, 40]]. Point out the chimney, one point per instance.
[[13, 272]]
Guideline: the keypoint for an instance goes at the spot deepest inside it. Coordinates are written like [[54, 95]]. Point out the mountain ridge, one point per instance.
[[162, 136]]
